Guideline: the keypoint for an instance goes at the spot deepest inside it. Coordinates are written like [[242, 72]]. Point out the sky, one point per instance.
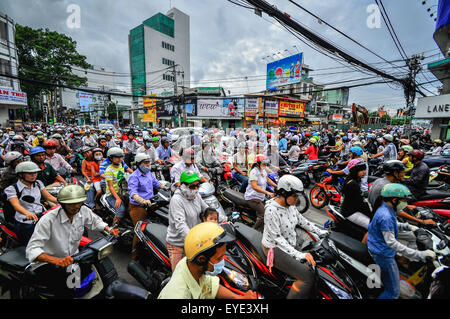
[[229, 42]]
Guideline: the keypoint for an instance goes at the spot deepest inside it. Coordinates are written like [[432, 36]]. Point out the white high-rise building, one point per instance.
[[157, 45]]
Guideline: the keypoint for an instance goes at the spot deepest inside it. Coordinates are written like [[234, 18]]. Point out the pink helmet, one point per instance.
[[353, 162]]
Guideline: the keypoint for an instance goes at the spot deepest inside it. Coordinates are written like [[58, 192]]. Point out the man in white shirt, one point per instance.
[[188, 162], [57, 235]]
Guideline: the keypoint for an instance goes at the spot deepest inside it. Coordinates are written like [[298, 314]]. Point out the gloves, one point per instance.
[[413, 228], [428, 253], [140, 200], [147, 203]]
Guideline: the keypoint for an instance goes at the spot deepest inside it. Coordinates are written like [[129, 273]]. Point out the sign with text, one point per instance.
[[285, 71], [271, 108], [252, 106], [290, 108], [10, 96], [433, 107], [219, 108]]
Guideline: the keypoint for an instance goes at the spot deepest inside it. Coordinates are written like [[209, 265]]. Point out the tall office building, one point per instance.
[[160, 42]]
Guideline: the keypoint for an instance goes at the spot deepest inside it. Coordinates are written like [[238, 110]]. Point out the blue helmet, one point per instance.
[[356, 150], [345, 138], [36, 150]]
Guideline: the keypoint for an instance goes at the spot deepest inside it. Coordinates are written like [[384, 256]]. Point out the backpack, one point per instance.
[[8, 210]]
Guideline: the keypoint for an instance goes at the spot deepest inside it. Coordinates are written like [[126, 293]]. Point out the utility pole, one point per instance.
[[410, 87], [175, 93], [183, 102]]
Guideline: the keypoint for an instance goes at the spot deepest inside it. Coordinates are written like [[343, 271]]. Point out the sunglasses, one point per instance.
[[194, 186]]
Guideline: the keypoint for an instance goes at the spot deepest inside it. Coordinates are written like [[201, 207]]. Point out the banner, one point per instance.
[[12, 97], [85, 101], [149, 103], [289, 108], [285, 71], [252, 106], [233, 107], [270, 109]]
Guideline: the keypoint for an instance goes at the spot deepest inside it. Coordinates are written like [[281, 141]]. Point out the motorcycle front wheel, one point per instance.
[[303, 203], [318, 197]]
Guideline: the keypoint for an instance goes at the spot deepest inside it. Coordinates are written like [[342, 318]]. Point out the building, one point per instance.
[[437, 108], [159, 50], [12, 100]]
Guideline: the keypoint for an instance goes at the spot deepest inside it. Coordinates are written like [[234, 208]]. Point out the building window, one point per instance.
[[168, 78], [3, 31], [168, 46], [5, 68], [168, 62]]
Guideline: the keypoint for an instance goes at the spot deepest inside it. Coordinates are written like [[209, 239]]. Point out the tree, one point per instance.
[[47, 56]]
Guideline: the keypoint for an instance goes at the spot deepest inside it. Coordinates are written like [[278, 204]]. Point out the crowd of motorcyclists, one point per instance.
[[104, 160]]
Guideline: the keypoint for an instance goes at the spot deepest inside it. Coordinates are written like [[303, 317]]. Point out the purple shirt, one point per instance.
[[141, 184]]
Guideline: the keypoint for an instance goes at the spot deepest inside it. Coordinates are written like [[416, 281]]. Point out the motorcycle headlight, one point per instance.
[[213, 204], [240, 280], [342, 294]]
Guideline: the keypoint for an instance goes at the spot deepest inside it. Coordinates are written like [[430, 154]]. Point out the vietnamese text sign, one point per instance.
[[252, 106], [211, 108], [12, 96], [271, 108], [288, 108], [285, 71]]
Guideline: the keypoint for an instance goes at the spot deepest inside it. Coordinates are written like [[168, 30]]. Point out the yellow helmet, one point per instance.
[[341, 133], [312, 140], [203, 237]]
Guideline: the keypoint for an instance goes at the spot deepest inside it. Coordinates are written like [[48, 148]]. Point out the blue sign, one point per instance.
[[443, 14], [285, 71]]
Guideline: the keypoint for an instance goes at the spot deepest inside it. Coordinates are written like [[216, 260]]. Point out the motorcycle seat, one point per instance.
[[15, 259], [157, 234], [352, 247], [236, 197], [254, 238], [434, 194]]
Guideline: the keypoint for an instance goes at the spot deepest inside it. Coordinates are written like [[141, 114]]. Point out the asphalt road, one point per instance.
[[121, 258]]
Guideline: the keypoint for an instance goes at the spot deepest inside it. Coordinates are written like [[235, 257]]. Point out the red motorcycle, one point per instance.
[[326, 192]]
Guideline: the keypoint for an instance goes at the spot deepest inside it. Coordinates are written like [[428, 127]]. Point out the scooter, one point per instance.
[[24, 280], [153, 268], [332, 280], [326, 192]]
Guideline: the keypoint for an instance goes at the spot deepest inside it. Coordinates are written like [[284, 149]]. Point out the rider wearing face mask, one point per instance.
[[195, 276], [149, 148], [281, 243], [140, 185], [383, 234], [185, 207], [188, 163]]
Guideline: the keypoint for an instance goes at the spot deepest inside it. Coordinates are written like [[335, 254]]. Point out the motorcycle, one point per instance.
[[153, 269], [332, 280], [326, 192], [24, 280]]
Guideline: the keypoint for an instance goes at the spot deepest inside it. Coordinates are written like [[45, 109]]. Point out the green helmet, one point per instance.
[[155, 139], [27, 167], [188, 177], [71, 194], [407, 148], [316, 138], [395, 190]]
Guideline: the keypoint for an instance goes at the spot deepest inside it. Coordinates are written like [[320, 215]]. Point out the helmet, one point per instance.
[[17, 137], [101, 137], [188, 153], [312, 140], [97, 149], [417, 154], [12, 133], [316, 137], [404, 141], [290, 183], [438, 141], [261, 158], [57, 136], [358, 144], [204, 237], [393, 166], [27, 167], [36, 150], [108, 132], [155, 139], [12, 156], [350, 131], [85, 149], [141, 157], [345, 138], [388, 137], [394, 190], [341, 133], [115, 152], [49, 144], [189, 176], [72, 194], [355, 162], [165, 139], [356, 150], [407, 148]]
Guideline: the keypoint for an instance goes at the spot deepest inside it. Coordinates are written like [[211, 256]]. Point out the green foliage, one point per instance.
[[47, 56]]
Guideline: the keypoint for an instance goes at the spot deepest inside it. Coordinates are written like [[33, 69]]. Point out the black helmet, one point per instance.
[[393, 166]]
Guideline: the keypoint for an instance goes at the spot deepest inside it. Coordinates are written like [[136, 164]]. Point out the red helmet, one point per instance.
[[261, 158], [269, 135], [49, 144], [417, 154], [307, 134]]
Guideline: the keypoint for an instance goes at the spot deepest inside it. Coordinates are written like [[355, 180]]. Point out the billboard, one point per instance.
[[252, 106], [271, 108], [289, 108], [85, 101], [443, 14], [230, 107], [166, 108], [285, 71], [12, 97]]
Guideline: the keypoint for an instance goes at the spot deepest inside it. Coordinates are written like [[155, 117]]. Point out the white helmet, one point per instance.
[[12, 156], [141, 157], [115, 151], [290, 183], [388, 137]]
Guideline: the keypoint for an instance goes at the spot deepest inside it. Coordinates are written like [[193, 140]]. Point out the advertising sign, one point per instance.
[[85, 100], [12, 97], [285, 71], [230, 107], [252, 106], [289, 108], [271, 108], [168, 109], [443, 14], [433, 107], [233, 107]]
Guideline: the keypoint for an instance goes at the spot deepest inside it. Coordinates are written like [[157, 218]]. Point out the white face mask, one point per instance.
[[401, 206], [98, 158], [190, 194]]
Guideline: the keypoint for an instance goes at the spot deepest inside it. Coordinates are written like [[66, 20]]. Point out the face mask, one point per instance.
[[401, 206], [190, 194], [98, 158], [149, 144], [144, 169], [217, 268]]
